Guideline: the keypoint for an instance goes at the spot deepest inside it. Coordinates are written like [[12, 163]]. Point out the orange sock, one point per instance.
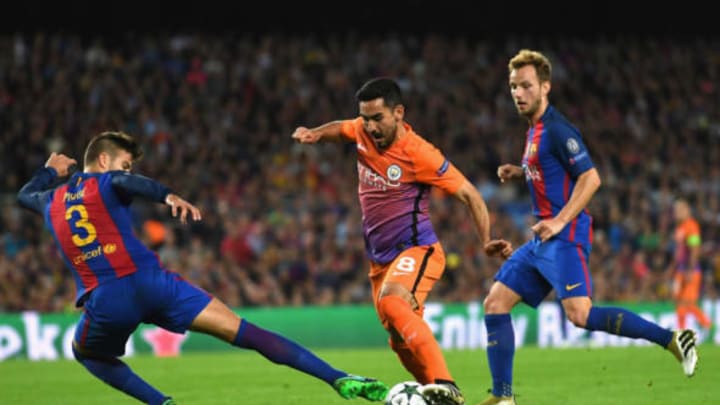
[[412, 364], [397, 314], [700, 316], [681, 312]]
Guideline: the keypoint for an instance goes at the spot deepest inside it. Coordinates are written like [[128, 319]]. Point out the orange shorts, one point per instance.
[[417, 268], [688, 291]]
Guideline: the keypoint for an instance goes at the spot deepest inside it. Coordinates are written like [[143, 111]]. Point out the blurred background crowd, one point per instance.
[[281, 221]]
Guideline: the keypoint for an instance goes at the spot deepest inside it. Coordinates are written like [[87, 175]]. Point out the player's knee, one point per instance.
[[398, 290], [577, 310], [578, 316], [495, 305], [390, 308]]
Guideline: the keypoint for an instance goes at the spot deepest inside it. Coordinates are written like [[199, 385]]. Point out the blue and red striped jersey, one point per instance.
[[89, 217], [555, 156]]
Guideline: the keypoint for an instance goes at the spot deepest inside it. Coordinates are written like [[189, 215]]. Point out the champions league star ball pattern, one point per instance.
[[405, 393]]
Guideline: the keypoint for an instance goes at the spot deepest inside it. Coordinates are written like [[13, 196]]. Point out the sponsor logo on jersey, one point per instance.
[[532, 173], [101, 250], [371, 179]]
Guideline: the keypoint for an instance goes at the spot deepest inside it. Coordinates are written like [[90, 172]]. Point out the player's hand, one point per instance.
[[548, 228], [305, 135], [508, 171], [60, 163], [183, 208], [498, 248]]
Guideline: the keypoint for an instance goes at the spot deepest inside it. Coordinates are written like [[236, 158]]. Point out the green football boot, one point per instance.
[[354, 386]]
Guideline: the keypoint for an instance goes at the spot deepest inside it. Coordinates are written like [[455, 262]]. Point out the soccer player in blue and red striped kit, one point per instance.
[[121, 283], [562, 179]]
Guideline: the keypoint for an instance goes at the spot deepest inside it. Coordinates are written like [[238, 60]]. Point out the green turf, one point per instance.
[[608, 376]]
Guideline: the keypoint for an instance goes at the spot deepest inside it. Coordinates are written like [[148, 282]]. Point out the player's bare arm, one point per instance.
[[60, 163], [508, 172], [586, 186], [183, 208], [330, 131], [471, 197]]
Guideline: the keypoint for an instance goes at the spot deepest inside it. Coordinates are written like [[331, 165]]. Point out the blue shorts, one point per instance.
[[538, 267], [113, 310]]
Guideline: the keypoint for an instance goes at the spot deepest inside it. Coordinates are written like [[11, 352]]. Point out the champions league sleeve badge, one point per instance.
[[572, 146]]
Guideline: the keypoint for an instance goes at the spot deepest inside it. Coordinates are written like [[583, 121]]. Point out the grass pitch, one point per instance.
[[608, 376]]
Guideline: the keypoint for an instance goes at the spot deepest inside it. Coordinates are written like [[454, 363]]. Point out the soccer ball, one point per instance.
[[405, 393]]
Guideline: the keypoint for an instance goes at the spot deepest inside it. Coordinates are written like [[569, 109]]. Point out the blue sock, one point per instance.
[[118, 375], [500, 352], [622, 322], [563, 314], [283, 351]]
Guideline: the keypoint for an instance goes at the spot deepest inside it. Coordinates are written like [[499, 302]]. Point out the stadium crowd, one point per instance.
[[281, 221]]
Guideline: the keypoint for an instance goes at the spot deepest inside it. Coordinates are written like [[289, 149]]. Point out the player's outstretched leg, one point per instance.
[[442, 394], [354, 386], [119, 376], [684, 348], [622, 322], [281, 350]]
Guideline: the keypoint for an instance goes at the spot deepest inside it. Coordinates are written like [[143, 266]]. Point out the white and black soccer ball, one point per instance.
[[405, 393]]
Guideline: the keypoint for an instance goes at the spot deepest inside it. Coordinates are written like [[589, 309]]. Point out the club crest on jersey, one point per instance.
[[394, 172], [531, 149], [573, 146]]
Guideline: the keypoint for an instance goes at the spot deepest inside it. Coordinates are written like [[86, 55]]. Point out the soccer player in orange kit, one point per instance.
[[396, 170], [686, 266]]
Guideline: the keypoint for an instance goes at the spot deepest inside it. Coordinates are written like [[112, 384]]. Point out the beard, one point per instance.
[[387, 138], [530, 110]]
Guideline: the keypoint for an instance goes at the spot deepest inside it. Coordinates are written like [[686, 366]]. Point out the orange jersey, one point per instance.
[[394, 189], [687, 236]]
